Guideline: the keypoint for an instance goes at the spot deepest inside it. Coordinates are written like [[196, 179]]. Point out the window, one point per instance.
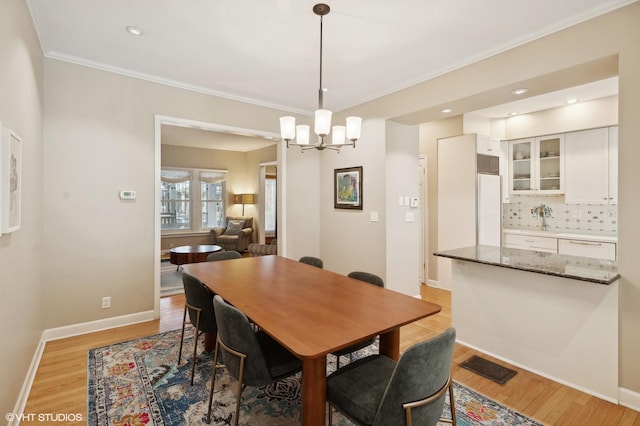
[[180, 188], [270, 206]]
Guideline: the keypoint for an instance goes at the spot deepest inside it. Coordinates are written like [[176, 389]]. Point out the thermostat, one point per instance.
[[127, 195]]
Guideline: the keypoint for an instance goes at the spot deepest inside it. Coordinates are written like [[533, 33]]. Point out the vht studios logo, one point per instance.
[[44, 417]]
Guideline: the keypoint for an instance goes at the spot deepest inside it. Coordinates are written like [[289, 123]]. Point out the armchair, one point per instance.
[[236, 235]]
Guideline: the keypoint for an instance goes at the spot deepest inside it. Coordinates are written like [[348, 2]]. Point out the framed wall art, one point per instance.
[[10, 181], [347, 187]]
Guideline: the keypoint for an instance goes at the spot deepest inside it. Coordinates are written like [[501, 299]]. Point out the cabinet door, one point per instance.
[[613, 165], [550, 164], [521, 169], [587, 167], [504, 170], [487, 146]]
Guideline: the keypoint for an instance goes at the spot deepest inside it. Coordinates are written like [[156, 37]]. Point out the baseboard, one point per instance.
[[21, 403], [98, 325], [64, 332], [436, 284], [629, 398]]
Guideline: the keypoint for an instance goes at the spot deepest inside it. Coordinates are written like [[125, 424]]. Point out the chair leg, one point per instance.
[[184, 321], [452, 404], [195, 346], [239, 397], [213, 380], [330, 414]]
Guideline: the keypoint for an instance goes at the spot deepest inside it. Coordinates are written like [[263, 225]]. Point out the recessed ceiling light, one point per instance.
[[136, 31], [572, 101], [447, 110], [511, 114], [520, 91]]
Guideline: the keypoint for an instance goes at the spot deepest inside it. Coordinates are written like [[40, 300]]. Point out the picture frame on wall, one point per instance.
[[10, 182], [347, 188]]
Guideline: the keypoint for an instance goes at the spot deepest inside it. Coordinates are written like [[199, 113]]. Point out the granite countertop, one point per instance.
[[578, 268], [605, 237]]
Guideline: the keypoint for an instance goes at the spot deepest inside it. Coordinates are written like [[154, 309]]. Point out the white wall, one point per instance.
[[403, 236], [22, 306], [349, 240]]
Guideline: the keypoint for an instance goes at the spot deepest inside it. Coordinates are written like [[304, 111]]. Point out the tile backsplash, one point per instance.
[[591, 218]]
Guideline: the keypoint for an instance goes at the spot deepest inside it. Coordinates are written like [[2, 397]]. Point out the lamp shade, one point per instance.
[[354, 125], [245, 199], [302, 134], [288, 128], [323, 122], [337, 135]]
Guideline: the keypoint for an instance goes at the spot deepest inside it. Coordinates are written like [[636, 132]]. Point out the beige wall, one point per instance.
[[21, 252]]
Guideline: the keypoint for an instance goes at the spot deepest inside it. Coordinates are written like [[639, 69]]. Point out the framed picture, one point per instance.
[[347, 186], [10, 181]]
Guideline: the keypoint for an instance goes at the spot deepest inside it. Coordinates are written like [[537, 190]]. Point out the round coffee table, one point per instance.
[[191, 254]]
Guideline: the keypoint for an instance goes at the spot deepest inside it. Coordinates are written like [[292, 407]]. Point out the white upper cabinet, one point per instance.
[[536, 165], [487, 146], [592, 166]]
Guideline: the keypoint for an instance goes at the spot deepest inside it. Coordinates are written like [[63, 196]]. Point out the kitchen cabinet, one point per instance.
[[591, 158], [531, 242], [504, 170], [585, 248], [536, 165], [487, 146]]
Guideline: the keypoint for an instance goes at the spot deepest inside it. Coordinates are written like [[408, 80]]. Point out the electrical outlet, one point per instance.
[[106, 302]]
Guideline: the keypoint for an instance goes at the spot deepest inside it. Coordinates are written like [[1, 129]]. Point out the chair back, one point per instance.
[[367, 277], [223, 255], [234, 330], [313, 261], [421, 371], [198, 296]]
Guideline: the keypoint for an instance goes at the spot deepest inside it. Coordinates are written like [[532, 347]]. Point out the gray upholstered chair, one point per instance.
[[371, 279], [253, 358], [223, 255], [199, 305], [313, 261], [235, 235], [379, 391]]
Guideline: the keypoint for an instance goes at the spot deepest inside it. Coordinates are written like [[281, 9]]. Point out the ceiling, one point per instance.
[[267, 51]]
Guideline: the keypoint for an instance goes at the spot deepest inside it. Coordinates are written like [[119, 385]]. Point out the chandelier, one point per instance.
[[340, 135]]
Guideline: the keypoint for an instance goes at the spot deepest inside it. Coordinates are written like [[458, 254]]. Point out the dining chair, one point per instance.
[[223, 255], [378, 391], [371, 279], [252, 357], [313, 261], [199, 305]]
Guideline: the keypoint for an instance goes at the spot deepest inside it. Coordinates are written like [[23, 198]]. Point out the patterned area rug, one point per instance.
[[138, 383]]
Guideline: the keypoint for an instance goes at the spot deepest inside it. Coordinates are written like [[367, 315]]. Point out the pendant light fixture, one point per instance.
[[340, 135]]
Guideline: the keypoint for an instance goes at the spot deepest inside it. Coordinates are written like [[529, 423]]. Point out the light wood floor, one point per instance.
[[60, 385]]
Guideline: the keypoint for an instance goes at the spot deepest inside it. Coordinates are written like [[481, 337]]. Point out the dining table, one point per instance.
[[312, 312]]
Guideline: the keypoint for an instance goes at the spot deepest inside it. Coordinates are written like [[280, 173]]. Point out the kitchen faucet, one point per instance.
[[544, 212]]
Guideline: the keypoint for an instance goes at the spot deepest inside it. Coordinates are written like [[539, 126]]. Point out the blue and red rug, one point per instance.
[[138, 383]]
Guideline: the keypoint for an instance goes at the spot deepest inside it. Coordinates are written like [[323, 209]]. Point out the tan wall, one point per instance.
[[21, 252]]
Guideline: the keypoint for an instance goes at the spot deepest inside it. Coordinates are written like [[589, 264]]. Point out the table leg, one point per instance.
[[390, 344], [314, 391], [209, 341]]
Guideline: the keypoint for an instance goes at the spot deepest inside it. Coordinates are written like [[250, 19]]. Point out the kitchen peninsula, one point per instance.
[[554, 315]]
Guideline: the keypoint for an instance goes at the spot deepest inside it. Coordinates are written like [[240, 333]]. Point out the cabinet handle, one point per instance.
[[584, 243], [529, 241]]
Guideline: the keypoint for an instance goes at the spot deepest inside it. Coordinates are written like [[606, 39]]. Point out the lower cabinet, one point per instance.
[[531, 242], [596, 249]]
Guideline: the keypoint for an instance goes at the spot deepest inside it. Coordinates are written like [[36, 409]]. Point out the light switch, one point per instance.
[[401, 201], [407, 200], [373, 216], [415, 202]]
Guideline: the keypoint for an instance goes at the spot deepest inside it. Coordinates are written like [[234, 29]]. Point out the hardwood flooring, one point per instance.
[[60, 385]]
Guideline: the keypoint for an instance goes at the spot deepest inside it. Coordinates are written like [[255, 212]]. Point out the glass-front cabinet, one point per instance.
[[537, 165]]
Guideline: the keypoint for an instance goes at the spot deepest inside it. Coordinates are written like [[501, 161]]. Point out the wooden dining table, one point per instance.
[[312, 312]]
